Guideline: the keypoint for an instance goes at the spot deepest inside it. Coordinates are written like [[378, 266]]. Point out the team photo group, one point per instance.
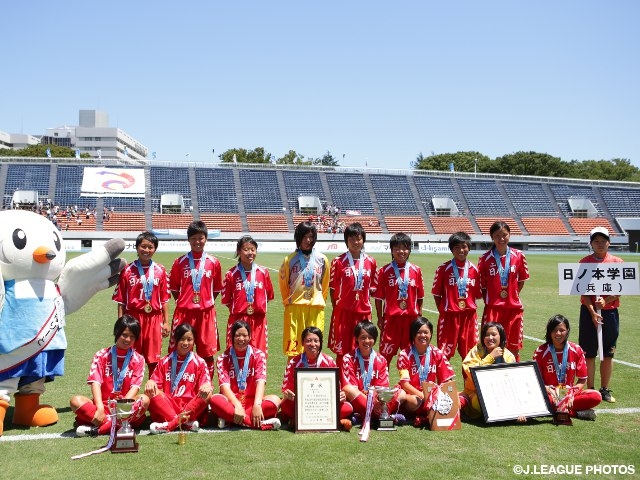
[[376, 324]]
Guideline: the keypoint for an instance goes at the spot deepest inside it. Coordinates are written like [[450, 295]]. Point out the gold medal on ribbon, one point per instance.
[[147, 307], [462, 303], [250, 309], [196, 297], [308, 293], [503, 293], [241, 397], [403, 304], [357, 296]]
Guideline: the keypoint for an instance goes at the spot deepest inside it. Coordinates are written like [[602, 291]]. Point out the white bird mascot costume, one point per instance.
[[33, 307]]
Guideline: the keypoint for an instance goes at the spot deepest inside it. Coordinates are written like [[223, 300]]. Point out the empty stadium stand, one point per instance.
[[485, 224], [394, 195], [449, 225], [529, 199], [406, 224], [349, 192]]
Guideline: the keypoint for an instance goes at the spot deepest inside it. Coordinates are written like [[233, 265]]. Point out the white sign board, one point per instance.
[[598, 278]]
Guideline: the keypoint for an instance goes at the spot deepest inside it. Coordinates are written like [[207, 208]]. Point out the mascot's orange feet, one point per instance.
[[29, 413], [3, 411]]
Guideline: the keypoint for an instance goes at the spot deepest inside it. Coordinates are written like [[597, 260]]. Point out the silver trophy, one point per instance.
[[125, 440], [385, 395]]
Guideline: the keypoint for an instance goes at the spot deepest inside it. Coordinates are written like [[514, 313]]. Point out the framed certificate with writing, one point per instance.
[[509, 390], [317, 400]]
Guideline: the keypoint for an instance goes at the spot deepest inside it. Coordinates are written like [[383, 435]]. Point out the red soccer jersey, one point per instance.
[[129, 291], [576, 364], [343, 282], [289, 381], [180, 281], [490, 278], [445, 286], [440, 370], [194, 376], [235, 297], [257, 371], [352, 375], [388, 290], [101, 372], [607, 259]]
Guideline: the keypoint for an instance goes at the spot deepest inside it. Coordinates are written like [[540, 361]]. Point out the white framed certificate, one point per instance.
[[317, 400], [509, 390]]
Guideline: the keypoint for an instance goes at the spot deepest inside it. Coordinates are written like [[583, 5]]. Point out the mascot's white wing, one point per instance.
[[1, 290], [84, 276]]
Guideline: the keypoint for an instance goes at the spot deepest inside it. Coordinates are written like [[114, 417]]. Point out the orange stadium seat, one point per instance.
[[448, 225], [126, 222], [171, 220], [267, 223], [406, 224], [544, 226], [486, 222], [227, 222], [582, 226]]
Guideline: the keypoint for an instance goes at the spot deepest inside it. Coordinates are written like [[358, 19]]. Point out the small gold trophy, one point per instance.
[[561, 398], [125, 441]]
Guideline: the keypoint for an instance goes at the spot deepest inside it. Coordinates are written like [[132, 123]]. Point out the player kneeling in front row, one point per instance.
[[180, 387], [116, 373]]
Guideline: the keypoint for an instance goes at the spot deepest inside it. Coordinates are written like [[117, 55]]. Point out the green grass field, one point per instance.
[[475, 450]]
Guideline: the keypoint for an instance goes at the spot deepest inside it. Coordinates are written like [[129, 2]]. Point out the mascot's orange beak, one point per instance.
[[43, 255]]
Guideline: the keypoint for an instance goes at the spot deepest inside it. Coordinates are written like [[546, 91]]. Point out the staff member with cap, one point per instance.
[[599, 311]]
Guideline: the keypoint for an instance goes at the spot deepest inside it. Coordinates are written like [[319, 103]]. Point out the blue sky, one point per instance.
[[377, 82]]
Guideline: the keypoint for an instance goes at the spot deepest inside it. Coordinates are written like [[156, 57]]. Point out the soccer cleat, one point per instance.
[[270, 424], [87, 431], [157, 427], [606, 395], [588, 414], [192, 426], [356, 419], [346, 424]]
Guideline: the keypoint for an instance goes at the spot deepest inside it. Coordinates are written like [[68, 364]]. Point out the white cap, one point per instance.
[[599, 230]]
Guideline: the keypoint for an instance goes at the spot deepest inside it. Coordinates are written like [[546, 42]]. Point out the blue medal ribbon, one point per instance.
[[147, 282], [360, 273], [561, 370], [119, 374], [403, 283], [196, 275], [249, 286], [175, 379], [503, 271], [241, 376], [368, 374], [308, 267], [423, 370], [462, 282]]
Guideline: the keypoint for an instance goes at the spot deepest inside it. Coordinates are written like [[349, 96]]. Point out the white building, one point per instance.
[[16, 141], [94, 136]]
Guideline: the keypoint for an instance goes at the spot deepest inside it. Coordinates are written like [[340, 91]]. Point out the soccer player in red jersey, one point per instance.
[[311, 357], [180, 388], [246, 290], [363, 368], [116, 373], [242, 375], [419, 363], [456, 286], [143, 292], [352, 281], [398, 297], [195, 282], [503, 271], [563, 366]]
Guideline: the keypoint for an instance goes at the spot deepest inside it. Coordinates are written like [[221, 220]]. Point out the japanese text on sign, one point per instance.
[[598, 278]]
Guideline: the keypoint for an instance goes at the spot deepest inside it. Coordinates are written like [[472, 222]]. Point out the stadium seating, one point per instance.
[[621, 202], [68, 187], [429, 187], [302, 183], [125, 221], [544, 226], [216, 190], [394, 195], [563, 192], [483, 197], [484, 223], [349, 192], [226, 222], [406, 224], [449, 225], [171, 220], [267, 223], [582, 226], [28, 177], [529, 199]]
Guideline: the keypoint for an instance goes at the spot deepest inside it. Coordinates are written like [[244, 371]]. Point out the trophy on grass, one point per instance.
[[125, 440], [385, 395], [562, 396]]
